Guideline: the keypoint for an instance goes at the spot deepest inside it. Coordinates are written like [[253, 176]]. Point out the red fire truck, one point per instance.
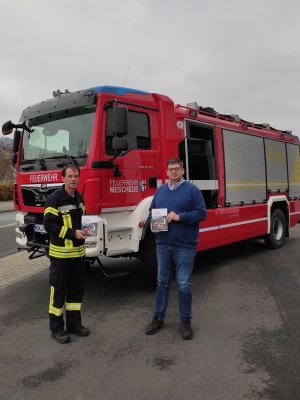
[[121, 138]]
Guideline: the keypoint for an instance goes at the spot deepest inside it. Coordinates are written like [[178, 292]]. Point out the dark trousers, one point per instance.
[[66, 280]]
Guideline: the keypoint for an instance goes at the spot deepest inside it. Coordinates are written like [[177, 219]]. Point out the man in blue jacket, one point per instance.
[[176, 247]]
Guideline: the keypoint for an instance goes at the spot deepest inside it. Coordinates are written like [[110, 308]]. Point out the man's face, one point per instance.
[[175, 173], [71, 179]]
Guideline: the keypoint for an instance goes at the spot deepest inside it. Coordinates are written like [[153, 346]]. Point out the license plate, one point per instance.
[[39, 228]]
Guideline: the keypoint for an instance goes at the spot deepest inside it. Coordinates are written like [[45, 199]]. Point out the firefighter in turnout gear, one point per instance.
[[62, 220]]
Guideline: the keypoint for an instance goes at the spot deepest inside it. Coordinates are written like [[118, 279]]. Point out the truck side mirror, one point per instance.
[[7, 128], [119, 143], [14, 159], [16, 142], [120, 120]]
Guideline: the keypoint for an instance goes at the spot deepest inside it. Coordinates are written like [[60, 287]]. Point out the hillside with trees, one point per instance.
[[7, 171]]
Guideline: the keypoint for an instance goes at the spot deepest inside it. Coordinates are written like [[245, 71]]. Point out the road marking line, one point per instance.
[[5, 226]]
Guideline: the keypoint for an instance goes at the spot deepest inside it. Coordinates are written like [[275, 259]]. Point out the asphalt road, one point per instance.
[[8, 224], [246, 334]]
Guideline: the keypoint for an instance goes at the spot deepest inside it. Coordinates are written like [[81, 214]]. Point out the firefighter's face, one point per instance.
[[175, 172], [71, 180]]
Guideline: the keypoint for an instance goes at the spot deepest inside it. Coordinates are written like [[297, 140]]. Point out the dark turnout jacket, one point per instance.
[[62, 217]]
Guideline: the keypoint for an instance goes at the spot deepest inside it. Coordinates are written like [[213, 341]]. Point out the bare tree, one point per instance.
[[7, 172]]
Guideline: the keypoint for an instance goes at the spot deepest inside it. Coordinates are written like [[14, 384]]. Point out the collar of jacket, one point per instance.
[[65, 195]]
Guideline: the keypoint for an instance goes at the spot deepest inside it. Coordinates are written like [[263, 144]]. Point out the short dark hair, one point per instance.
[[172, 161], [73, 167]]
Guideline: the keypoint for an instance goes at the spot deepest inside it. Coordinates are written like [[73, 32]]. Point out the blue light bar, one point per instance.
[[117, 90]]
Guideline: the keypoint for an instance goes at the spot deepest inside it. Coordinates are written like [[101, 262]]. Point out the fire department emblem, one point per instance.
[[142, 186]]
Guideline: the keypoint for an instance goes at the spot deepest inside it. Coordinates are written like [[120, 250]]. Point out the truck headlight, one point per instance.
[[90, 245]]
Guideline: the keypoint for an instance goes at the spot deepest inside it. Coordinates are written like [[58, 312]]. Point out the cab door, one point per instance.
[[197, 152], [133, 177]]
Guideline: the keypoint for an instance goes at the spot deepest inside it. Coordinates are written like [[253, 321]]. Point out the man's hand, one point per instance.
[[79, 234], [172, 217]]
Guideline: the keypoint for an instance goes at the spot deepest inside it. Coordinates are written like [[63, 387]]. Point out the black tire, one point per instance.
[[149, 260], [276, 237]]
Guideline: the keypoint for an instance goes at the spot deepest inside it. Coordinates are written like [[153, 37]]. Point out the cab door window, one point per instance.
[[138, 132]]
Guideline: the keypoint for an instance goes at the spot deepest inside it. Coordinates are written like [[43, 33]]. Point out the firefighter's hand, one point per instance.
[[79, 234], [172, 217]]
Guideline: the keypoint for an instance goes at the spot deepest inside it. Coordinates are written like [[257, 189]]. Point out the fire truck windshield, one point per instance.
[[63, 134]]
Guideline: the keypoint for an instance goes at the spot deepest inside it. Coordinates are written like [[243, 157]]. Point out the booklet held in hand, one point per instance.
[[159, 219]]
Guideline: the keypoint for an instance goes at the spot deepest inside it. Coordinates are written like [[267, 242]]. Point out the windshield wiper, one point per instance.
[[34, 160], [41, 162], [72, 159]]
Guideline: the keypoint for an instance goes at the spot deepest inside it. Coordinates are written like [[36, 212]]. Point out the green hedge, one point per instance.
[[6, 191]]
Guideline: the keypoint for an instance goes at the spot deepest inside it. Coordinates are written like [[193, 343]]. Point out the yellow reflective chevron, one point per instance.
[[67, 220], [51, 295], [73, 306], [51, 210], [53, 310], [68, 243], [63, 232], [56, 311], [66, 252], [66, 256], [67, 224]]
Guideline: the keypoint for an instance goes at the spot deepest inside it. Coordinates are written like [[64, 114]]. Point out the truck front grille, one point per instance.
[[36, 195]]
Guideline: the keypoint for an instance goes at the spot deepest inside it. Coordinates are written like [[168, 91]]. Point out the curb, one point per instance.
[[7, 210], [6, 206]]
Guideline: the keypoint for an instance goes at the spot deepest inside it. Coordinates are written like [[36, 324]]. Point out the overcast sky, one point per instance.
[[238, 56]]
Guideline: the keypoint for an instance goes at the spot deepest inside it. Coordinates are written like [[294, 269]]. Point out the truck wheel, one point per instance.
[[276, 237], [149, 260]]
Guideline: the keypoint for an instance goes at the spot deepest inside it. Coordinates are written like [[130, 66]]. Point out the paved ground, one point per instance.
[[18, 266], [6, 206], [246, 343]]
